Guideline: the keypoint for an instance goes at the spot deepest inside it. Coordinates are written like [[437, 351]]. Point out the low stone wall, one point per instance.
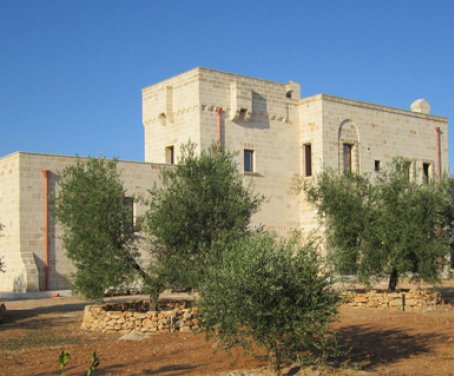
[[2, 312], [408, 300], [126, 317]]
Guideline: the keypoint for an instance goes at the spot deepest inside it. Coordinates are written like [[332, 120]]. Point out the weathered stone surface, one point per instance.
[[411, 300], [177, 319]]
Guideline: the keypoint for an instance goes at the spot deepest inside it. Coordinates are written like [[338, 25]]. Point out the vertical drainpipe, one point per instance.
[[437, 130], [219, 111], [46, 226]]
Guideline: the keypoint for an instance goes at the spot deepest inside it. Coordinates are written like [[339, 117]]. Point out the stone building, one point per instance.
[[279, 136]]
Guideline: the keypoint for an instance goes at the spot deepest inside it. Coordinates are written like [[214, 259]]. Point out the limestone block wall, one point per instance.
[[125, 318], [29, 246], [310, 133], [261, 116], [171, 115], [409, 300], [382, 133], [15, 277]]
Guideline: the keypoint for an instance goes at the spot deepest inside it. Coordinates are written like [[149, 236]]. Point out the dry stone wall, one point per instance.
[[127, 317], [409, 300]]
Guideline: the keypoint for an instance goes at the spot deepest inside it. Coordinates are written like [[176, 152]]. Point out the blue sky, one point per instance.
[[71, 72]]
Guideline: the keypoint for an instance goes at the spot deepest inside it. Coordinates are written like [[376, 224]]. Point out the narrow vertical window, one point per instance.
[[248, 160], [425, 172], [170, 155], [377, 166], [347, 157], [128, 202], [307, 160]]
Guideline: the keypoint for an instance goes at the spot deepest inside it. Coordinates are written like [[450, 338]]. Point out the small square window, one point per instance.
[[248, 160], [377, 166], [170, 155]]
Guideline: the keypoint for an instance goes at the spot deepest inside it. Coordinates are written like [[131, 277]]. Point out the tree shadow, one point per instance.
[[107, 370], [371, 347], [447, 293], [176, 369], [20, 316]]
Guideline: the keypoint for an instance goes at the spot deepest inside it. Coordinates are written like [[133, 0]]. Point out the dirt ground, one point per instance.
[[382, 343]]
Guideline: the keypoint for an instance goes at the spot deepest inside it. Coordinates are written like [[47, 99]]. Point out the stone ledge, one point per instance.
[[405, 300], [134, 316]]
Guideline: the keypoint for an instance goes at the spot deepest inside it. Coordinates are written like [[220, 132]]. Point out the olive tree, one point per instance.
[[201, 200], [387, 226], [272, 293], [98, 233]]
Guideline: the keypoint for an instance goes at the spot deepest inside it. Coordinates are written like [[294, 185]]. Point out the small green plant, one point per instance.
[[63, 360], [94, 364]]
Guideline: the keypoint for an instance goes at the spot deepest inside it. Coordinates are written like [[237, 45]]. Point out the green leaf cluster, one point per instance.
[[275, 294], [201, 200], [98, 234], [387, 226]]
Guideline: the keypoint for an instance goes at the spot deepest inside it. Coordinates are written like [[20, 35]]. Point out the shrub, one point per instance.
[[271, 293]]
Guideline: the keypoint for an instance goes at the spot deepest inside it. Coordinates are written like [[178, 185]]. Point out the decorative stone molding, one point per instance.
[[251, 115], [135, 316], [406, 300]]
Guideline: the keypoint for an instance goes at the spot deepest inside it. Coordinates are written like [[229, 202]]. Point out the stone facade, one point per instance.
[[280, 138], [23, 200]]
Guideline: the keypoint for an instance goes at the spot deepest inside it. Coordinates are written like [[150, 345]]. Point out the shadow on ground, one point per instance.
[[371, 347], [174, 369], [17, 315], [447, 293]]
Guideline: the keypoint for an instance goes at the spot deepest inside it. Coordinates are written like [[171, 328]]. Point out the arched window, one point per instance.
[[348, 144]]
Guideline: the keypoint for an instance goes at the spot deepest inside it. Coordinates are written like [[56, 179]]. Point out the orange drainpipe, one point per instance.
[[438, 131], [46, 225], [219, 111]]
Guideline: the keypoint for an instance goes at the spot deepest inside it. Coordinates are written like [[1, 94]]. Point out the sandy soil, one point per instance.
[[382, 343]]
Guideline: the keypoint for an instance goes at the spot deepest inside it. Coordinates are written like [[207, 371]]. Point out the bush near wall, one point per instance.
[[126, 317], [404, 300]]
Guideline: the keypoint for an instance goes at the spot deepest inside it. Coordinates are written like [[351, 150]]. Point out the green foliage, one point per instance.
[[63, 360], [201, 200], [391, 226], [94, 364], [98, 234], [274, 294]]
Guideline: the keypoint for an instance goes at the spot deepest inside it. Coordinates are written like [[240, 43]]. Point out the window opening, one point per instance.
[[377, 166], [347, 157], [425, 172], [307, 160], [170, 155], [248, 160]]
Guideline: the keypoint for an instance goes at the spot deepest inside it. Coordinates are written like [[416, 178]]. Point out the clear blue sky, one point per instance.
[[71, 72]]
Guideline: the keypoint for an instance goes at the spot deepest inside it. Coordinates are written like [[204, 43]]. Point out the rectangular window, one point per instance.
[[425, 172], [307, 160], [170, 155], [128, 202], [377, 166], [347, 158], [248, 160]]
